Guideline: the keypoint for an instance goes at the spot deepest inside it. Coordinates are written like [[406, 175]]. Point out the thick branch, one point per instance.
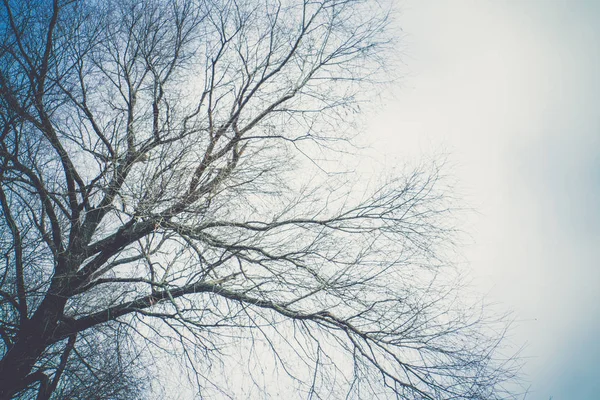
[[18, 248]]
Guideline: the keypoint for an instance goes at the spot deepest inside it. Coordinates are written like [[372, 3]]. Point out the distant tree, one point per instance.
[[153, 202]]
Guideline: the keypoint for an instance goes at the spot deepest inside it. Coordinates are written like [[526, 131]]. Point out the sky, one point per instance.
[[511, 91]]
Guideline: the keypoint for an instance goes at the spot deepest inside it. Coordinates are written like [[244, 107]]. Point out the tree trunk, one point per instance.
[[17, 365], [34, 336]]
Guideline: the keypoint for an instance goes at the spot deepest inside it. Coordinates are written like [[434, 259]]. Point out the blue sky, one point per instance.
[[511, 89]]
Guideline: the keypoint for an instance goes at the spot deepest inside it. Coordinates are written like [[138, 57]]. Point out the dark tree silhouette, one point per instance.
[[154, 199]]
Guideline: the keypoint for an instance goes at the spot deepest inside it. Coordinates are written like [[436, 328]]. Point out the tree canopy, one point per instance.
[[159, 203]]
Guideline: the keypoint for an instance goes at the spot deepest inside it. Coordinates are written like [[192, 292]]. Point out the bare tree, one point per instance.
[[152, 198]]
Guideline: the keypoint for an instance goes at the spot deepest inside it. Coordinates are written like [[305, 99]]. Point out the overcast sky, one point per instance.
[[511, 89]]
